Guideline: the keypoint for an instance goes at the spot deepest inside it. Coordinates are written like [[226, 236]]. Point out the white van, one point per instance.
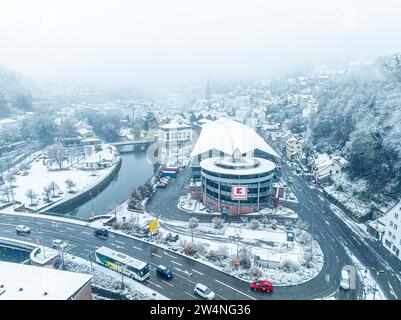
[[345, 280]]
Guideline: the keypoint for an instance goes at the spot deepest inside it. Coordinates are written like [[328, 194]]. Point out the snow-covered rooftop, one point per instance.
[[227, 135], [38, 283]]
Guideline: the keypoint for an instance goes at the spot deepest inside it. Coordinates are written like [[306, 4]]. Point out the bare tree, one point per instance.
[[46, 193], [192, 225], [10, 179], [31, 195], [53, 187], [57, 153], [70, 185], [24, 167], [236, 239], [5, 190]]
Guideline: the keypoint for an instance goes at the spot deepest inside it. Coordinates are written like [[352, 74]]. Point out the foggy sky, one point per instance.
[[161, 43]]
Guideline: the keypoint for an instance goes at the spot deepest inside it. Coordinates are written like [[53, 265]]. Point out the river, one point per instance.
[[134, 171]]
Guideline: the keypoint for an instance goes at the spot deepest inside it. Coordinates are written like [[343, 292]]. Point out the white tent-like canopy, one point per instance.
[[227, 135]]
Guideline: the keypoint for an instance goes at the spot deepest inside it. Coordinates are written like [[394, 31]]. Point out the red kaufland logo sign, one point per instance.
[[239, 192]]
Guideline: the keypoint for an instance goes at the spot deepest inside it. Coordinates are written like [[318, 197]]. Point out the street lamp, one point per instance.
[[378, 273], [189, 285]]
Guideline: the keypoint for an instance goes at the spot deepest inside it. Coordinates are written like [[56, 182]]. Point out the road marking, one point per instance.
[[155, 284], [87, 250], [178, 264], [186, 272], [85, 232], [197, 272], [167, 254], [154, 254], [221, 296], [71, 229], [168, 283], [7, 224], [191, 295], [120, 242], [7, 231], [392, 290], [137, 248], [224, 284]]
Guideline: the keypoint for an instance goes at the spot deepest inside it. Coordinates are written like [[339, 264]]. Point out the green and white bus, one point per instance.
[[122, 263]]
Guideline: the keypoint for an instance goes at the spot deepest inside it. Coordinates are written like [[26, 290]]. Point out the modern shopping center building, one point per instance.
[[227, 177]]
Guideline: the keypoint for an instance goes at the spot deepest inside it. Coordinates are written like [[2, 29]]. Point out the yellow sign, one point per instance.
[[153, 225]]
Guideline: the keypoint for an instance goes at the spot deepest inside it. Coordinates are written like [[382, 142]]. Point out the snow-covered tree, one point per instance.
[[31, 195], [255, 224], [192, 225], [218, 223], [70, 184]]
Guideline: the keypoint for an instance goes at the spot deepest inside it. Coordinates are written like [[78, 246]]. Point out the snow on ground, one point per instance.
[[368, 282], [346, 191], [111, 280], [359, 228], [39, 177], [266, 243]]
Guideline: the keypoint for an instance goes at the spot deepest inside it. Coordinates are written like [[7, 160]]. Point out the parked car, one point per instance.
[[59, 244], [345, 280], [262, 285], [164, 272], [204, 292], [101, 233], [21, 229], [172, 238]]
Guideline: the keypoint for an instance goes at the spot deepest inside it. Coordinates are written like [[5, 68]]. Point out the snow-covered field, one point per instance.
[[39, 177]]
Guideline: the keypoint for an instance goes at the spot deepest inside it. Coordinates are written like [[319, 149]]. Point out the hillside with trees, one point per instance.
[[359, 117], [15, 96]]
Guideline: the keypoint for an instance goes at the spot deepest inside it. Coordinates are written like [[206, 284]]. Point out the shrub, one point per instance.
[[289, 265], [255, 224], [218, 223]]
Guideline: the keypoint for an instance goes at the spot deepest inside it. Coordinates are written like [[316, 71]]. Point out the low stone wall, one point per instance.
[[84, 196]]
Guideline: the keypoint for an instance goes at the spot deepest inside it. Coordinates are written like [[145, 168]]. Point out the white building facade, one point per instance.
[[392, 233]]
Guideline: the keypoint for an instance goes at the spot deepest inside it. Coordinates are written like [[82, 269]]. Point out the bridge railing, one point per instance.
[[16, 243]]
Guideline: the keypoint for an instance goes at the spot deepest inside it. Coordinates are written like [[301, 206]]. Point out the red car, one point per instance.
[[262, 285]]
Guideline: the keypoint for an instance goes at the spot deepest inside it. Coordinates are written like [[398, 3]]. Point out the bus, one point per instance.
[[122, 263]]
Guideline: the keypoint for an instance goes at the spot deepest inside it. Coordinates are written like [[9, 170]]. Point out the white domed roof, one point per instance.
[[227, 135]]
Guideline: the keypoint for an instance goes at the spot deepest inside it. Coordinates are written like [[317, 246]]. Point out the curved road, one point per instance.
[[187, 271], [335, 237]]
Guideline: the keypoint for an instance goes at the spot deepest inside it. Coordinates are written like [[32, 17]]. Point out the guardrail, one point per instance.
[[18, 244]]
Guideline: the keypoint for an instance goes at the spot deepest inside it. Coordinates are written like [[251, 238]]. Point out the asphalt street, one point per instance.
[[187, 271], [334, 235]]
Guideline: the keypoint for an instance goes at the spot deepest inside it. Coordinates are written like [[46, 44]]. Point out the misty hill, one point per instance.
[[15, 97], [359, 116]]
